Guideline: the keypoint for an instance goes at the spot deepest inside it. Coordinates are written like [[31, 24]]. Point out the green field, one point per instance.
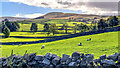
[[26, 27], [104, 43], [57, 21], [14, 35]]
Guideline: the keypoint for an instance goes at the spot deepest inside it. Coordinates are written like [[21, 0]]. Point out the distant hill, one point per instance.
[[60, 15], [13, 18]]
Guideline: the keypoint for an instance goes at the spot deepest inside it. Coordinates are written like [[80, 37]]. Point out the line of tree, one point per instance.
[[101, 24], [81, 27], [47, 28], [50, 28], [110, 22]]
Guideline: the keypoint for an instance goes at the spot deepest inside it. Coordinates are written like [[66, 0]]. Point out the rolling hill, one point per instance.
[[56, 15], [60, 15]]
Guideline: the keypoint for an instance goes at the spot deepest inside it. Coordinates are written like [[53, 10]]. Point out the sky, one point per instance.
[[36, 8]]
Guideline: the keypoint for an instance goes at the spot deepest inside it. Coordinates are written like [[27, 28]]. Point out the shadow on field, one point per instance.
[[45, 31], [29, 37]]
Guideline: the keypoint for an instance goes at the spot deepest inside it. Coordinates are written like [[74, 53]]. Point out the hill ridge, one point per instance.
[[61, 15]]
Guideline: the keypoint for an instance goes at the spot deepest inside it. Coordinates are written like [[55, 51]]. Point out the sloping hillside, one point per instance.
[[104, 43], [60, 15]]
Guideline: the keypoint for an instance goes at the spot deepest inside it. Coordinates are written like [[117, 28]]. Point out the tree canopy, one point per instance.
[[34, 27], [5, 30]]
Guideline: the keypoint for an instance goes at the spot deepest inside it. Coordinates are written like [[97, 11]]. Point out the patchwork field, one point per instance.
[[25, 26], [104, 43], [27, 36]]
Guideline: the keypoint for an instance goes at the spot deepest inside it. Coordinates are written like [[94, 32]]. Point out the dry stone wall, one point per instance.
[[77, 60]]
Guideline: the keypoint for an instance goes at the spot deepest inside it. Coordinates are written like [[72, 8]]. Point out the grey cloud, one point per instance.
[[44, 3], [105, 6], [64, 3], [108, 6], [104, 0]]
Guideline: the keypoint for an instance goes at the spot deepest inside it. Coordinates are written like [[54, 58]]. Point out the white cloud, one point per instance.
[[18, 15], [33, 15], [29, 15], [77, 5]]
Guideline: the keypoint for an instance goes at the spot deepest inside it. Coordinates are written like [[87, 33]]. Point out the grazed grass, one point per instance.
[[30, 34], [14, 35], [18, 40], [105, 43], [26, 27]]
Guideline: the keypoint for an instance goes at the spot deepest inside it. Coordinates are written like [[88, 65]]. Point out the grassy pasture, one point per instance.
[[19, 40], [26, 27], [14, 35], [104, 43]]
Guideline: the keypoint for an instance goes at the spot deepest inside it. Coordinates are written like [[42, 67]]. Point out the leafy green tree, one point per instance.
[[5, 30], [85, 27], [65, 26], [102, 24], [22, 24], [1, 27], [8, 24], [46, 27], [13, 26], [94, 27], [75, 28], [112, 21], [80, 27], [34, 27], [53, 28]]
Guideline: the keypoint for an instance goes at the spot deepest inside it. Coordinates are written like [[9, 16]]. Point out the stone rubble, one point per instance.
[[66, 61]]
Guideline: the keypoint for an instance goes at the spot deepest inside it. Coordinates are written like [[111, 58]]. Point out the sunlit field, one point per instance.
[[104, 43]]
